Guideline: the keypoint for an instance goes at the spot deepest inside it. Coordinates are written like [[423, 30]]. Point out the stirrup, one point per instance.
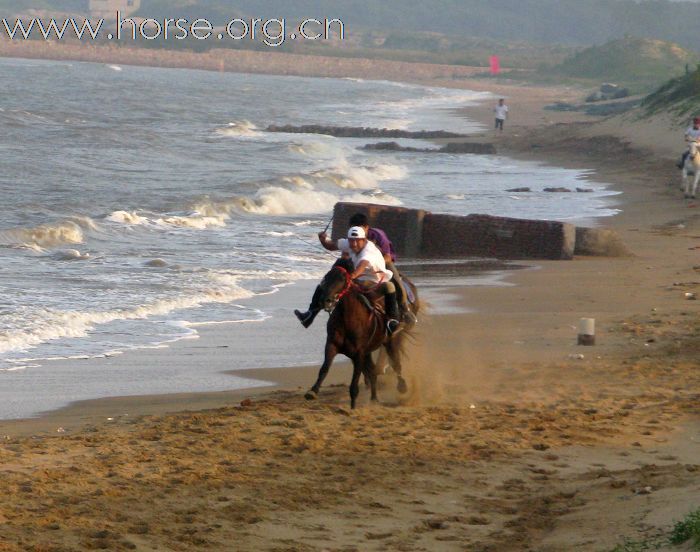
[[393, 327], [304, 317]]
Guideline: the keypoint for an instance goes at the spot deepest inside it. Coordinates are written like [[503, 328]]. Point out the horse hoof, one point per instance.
[[402, 387], [311, 395]]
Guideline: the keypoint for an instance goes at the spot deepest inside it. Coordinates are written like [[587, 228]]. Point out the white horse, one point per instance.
[[691, 166]]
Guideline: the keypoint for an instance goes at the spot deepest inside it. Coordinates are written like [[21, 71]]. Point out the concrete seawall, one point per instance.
[[417, 233]]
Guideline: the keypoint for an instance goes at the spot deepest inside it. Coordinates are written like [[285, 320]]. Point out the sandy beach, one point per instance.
[[511, 436]]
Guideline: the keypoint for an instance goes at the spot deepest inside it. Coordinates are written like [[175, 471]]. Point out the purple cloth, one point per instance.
[[382, 241]]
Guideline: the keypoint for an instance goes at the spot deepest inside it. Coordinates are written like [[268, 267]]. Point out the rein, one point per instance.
[[349, 284]]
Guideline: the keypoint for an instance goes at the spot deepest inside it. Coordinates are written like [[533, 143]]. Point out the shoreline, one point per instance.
[[76, 413], [512, 437], [142, 355]]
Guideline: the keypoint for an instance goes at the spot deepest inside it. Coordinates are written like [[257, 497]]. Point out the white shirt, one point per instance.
[[376, 271], [692, 134], [501, 111]]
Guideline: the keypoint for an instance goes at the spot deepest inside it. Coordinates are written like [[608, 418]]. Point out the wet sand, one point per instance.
[[511, 436]]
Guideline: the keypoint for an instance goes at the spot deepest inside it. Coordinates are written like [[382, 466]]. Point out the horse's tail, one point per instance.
[[408, 334]]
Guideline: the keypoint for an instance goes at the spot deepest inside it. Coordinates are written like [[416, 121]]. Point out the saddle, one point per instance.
[[371, 298]]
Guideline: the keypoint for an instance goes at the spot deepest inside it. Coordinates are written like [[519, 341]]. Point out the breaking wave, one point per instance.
[[48, 235], [238, 128], [46, 325]]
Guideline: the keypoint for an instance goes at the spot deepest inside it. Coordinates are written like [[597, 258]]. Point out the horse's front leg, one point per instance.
[[684, 180], [695, 183], [357, 369], [329, 354]]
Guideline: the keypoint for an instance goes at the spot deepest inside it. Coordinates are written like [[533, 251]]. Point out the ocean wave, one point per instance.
[[126, 217], [196, 219], [48, 235], [282, 201], [348, 176], [46, 325], [238, 128], [71, 255]]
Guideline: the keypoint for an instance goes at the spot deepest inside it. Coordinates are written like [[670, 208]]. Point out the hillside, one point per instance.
[[545, 21], [636, 61], [679, 96]]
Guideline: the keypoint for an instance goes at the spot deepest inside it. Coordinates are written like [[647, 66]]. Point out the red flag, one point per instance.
[[495, 65]]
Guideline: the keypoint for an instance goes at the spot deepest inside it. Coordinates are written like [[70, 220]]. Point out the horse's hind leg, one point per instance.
[[392, 349], [330, 353], [695, 184]]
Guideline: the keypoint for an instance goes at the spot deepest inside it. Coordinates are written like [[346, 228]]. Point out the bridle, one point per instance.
[[349, 284]]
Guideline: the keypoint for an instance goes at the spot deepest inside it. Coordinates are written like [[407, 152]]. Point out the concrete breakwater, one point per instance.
[[363, 132], [417, 233]]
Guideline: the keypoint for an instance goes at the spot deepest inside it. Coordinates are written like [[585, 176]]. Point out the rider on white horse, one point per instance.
[[692, 134]]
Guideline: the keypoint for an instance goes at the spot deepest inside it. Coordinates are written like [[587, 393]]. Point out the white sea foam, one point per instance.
[[115, 67], [201, 218], [71, 255], [126, 217], [345, 175], [275, 200], [46, 325], [45, 235], [194, 220], [238, 128]]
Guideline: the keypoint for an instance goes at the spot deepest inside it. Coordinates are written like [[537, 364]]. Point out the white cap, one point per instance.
[[357, 232]]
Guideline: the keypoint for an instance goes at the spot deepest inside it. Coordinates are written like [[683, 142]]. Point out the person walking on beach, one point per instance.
[[692, 134], [501, 111]]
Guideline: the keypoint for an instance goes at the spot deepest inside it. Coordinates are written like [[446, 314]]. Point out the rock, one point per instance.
[[595, 96], [156, 263], [469, 147], [561, 106], [246, 402], [363, 132], [461, 147], [519, 190], [584, 190], [609, 88], [557, 190]]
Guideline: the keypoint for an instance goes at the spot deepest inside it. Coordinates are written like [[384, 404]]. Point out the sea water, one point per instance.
[[140, 203]]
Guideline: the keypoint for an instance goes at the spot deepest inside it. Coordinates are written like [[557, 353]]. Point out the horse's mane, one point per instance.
[[346, 264]]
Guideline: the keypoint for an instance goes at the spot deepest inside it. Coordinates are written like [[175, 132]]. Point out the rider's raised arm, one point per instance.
[[326, 242]]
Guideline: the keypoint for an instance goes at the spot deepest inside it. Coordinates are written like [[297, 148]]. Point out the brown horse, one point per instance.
[[355, 329]]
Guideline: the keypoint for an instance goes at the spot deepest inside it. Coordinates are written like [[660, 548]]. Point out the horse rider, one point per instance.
[[383, 243], [692, 134], [370, 272]]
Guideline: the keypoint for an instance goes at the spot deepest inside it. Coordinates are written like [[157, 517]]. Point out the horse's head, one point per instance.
[[336, 283]]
